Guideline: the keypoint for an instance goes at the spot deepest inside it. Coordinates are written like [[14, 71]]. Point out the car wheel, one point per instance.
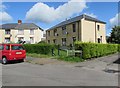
[[4, 60]]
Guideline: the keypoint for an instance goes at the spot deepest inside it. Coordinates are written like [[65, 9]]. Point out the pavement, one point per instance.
[[96, 72]]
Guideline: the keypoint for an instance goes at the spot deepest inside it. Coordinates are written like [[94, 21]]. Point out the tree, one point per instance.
[[115, 35]]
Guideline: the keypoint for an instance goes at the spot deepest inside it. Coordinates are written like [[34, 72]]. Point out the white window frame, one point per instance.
[[31, 31], [20, 31]]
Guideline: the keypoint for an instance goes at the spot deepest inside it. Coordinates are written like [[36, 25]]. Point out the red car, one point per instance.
[[10, 52]]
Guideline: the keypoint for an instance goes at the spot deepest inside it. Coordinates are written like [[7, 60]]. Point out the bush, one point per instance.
[[42, 42], [38, 48], [91, 50], [119, 48]]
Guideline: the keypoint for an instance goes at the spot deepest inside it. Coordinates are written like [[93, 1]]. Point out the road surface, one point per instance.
[[97, 72]]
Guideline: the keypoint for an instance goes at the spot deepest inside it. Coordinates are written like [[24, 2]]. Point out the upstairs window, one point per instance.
[[74, 27], [98, 27], [64, 30], [48, 33], [55, 32], [31, 31], [7, 31], [44, 35], [20, 31]]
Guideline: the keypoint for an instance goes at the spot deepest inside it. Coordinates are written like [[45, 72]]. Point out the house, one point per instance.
[[14, 32], [81, 28]]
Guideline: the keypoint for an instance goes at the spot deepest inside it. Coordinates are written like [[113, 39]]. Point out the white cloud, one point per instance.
[[4, 16], [115, 20], [91, 14], [41, 12]]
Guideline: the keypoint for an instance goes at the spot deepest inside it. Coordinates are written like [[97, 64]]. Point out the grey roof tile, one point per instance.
[[76, 19], [19, 26]]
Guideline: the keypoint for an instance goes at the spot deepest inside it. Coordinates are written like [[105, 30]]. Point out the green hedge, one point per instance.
[[38, 48], [91, 50], [119, 48]]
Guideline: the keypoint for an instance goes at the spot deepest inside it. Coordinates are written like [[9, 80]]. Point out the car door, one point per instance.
[[1, 49], [6, 51]]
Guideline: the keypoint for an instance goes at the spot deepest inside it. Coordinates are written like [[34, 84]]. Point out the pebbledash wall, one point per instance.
[[13, 32], [82, 28]]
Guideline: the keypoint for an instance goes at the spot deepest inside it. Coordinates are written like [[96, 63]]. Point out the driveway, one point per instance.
[[96, 72]]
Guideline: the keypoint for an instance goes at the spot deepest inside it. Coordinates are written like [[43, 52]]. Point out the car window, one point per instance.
[[1, 47], [7, 47], [17, 48]]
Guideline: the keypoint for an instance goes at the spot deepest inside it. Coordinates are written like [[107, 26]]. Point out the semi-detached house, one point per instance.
[[14, 32], [81, 28]]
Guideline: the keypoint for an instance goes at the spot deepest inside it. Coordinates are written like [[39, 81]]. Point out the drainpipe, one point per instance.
[[78, 31], [95, 31]]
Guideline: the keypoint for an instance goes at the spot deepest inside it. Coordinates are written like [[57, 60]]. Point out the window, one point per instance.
[[64, 41], [74, 27], [7, 40], [98, 27], [17, 47], [74, 39], [31, 31], [64, 30], [49, 41], [7, 47], [7, 31], [54, 41], [1, 47], [48, 33], [31, 40], [20, 31], [44, 35], [55, 32]]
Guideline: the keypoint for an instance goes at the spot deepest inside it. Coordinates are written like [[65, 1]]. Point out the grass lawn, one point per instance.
[[63, 56]]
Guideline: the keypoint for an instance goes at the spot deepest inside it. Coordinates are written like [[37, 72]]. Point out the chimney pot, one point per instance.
[[19, 21]]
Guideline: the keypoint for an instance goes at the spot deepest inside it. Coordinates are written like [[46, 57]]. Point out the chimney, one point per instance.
[[19, 21]]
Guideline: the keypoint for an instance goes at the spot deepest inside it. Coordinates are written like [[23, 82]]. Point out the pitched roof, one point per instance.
[[77, 19], [19, 26]]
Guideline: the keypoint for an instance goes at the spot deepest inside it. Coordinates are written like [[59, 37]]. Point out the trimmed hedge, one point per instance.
[[91, 50], [38, 48], [119, 48]]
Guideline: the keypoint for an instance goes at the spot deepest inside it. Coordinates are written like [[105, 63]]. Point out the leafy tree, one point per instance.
[[115, 35]]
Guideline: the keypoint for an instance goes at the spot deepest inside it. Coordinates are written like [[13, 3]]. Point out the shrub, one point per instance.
[[119, 48], [91, 50], [38, 48], [42, 42]]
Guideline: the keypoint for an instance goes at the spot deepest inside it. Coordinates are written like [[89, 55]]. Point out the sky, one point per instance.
[[48, 14]]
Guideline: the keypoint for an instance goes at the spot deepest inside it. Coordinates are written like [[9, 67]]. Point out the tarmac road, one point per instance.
[[97, 72]]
